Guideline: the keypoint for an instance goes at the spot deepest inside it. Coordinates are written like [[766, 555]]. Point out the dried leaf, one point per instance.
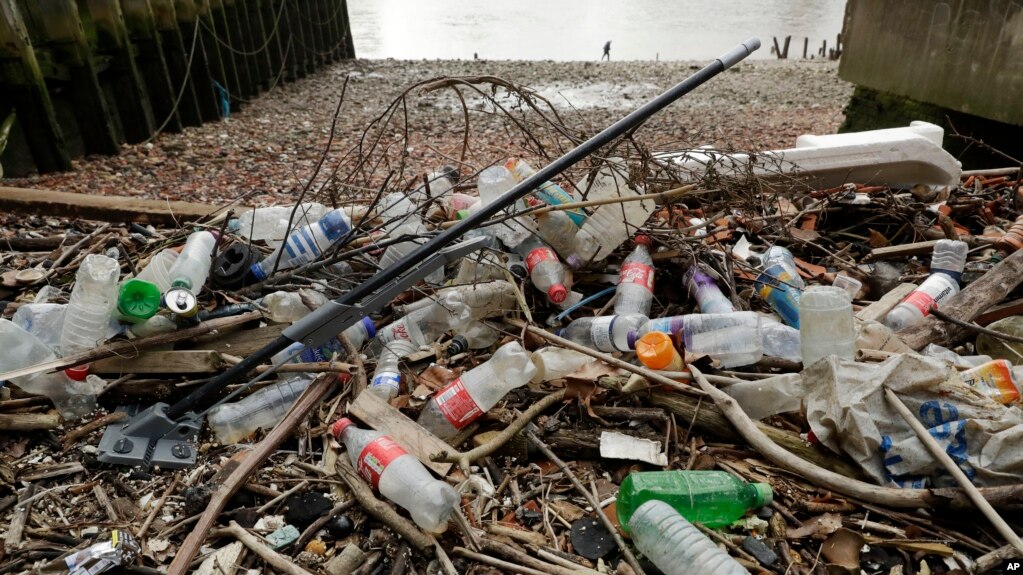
[[566, 510], [877, 239], [842, 550], [436, 377], [804, 235], [818, 527]]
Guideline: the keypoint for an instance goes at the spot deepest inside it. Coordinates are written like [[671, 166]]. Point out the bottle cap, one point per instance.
[[340, 425], [181, 302], [344, 377], [656, 350], [557, 293], [764, 494], [371, 328], [631, 338], [78, 373], [459, 344], [574, 261], [643, 240], [257, 272], [138, 300]]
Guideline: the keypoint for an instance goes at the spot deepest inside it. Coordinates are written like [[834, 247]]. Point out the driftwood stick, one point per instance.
[[378, 509], [156, 508], [509, 552], [74, 435], [238, 470], [994, 559], [987, 291], [946, 461], [315, 526], [28, 421], [273, 558], [361, 381], [591, 499], [495, 562]]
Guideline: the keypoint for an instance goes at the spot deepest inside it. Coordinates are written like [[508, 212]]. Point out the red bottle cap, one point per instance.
[[340, 425], [78, 373], [557, 293], [643, 240]]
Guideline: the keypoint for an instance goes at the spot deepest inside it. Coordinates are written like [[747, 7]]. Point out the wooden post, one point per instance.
[[151, 63], [219, 42], [256, 40], [297, 51], [56, 28], [785, 50], [272, 19], [318, 23], [806, 46], [176, 53], [777, 49], [346, 29], [129, 90], [201, 76], [24, 89], [305, 18], [225, 14]]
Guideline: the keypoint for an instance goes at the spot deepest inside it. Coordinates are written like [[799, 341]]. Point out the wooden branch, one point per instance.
[[116, 209], [74, 435], [990, 289], [380, 510], [279, 562], [28, 421], [494, 562], [243, 464], [510, 552]]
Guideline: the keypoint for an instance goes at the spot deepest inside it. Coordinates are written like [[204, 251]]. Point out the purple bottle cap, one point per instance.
[[371, 328], [631, 338]]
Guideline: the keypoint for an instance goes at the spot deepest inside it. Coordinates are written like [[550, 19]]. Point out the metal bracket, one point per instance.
[[150, 438]]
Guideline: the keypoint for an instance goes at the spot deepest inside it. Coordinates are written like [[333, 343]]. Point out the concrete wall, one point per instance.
[[966, 55]]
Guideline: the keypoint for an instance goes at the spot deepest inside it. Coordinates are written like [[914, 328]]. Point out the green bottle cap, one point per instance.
[[764, 494], [138, 300]]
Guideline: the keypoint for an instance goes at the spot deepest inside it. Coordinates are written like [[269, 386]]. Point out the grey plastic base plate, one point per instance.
[[150, 439]]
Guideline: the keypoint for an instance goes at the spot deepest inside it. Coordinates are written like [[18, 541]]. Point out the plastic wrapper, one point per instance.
[[121, 549]]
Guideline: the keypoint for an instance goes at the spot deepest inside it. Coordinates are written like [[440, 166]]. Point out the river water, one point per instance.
[[577, 29]]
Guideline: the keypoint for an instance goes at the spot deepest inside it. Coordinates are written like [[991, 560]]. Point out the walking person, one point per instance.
[[607, 51]]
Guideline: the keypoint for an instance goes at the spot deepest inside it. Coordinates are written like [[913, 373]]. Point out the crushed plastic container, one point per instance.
[[676, 546], [492, 183], [556, 362], [780, 284], [605, 333], [424, 325], [261, 409], [92, 303], [157, 271], [826, 324], [635, 289], [285, 306], [270, 223], [997, 379], [359, 333], [557, 230], [189, 273], [548, 192], [306, 244], [609, 226], [386, 381]]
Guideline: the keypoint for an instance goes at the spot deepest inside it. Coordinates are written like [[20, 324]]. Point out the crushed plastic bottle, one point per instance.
[[826, 324], [548, 192], [397, 475], [157, 271], [359, 333], [967, 361], [635, 291], [711, 498], [91, 305], [557, 230], [397, 205], [470, 396], [306, 244], [424, 325], [262, 409], [416, 230], [605, 333], [780, 284], [43, 320], [611, 225], [189, 273], [271, 223], [675, 546], [947, 263], [476, 335], [997, 379], [386, 382], [545, 269], [557, 362], [706, 292], [285, 306], [492, 183]]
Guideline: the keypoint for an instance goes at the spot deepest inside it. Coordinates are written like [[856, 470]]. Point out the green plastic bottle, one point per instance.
[[712, 498], [138, 300]]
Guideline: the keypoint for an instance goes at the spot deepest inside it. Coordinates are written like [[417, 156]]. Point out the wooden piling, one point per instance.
[[122, 79], [177, 55], [296, 47], [347, 31], [806, 46], [24, 89], [272, 17], [226, 17], [264, 42], [218, 40], [255, 43], [151, 63], [188, 14], [785, 49]]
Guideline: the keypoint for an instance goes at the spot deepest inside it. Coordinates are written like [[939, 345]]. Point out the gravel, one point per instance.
[[266, 151]]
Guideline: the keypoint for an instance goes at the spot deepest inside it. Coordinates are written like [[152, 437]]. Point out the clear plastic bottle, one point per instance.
[[611, 225], [492, 183], [398, 204], [359, 333], [781, 340], [947, 263], [261, 409], [557, 230], [780, 284], [826, 324], [398, 476], [189, 273], [935, 350], [711, 498], [386, 382], [476, 335], [306, 243], [695, 323], [557, 362], [675, 546], [424, 325], [91, 305], [548, 192], [635, 291], [604, 333], [545, 269], [271, 223], [415, 228], [706, 292], [731, 346], [43, 320], [485, 299], [467, 398], [157, 271], [285, 306]]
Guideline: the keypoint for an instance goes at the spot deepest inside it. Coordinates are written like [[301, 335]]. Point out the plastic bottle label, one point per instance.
[[993, 379], [398, 330], [930, 294], [600, 333], [387, 379], [669, 325], [320, 354], [539, 255], [457, 406], [376, 456], [637, 273]]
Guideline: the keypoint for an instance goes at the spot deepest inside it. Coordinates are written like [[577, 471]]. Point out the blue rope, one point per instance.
[[587, 300]]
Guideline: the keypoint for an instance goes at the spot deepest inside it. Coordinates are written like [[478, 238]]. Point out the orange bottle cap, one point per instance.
[[656, 350]]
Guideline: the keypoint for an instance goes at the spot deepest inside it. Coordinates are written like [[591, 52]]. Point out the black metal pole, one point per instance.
[[572, 157]]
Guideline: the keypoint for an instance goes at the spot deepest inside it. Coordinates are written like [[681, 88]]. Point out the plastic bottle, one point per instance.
[[997, 379], [398, 476], [137, 300], [557, 230], [91, 305], [604, 333], [189, 273], [548, 192], [677, 547], [656, 351], [780, 285], [476, 335], [306, 243], [262, 409], [492, 183], [999, 348], [557, 362], [691, 324], [43, 320], [484, 299], [467, 398], [635, 291], [152, 326], [947, 263], [706, 292], [265, 223], [399, 204], [826, 324], [157, 271], [611, 225], [386, 380], [545, 269], [935, 350], [781, 340], [711, 498], [285, 306], [359, 333], [731, 346], [415, 228], [424, 325]]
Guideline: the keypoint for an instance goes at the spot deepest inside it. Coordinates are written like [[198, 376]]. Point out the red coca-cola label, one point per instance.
[[921, 301], [539, 255], [457, 406], [637, 273], [376, 456]]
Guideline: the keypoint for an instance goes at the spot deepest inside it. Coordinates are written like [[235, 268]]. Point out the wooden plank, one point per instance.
[[18, 520], [877, 310], [198, 361], [244, 342], [51, 471], [903, 250], [379, 415], [117, 209]]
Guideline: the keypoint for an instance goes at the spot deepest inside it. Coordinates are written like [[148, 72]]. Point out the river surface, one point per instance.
[[567, 30]]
